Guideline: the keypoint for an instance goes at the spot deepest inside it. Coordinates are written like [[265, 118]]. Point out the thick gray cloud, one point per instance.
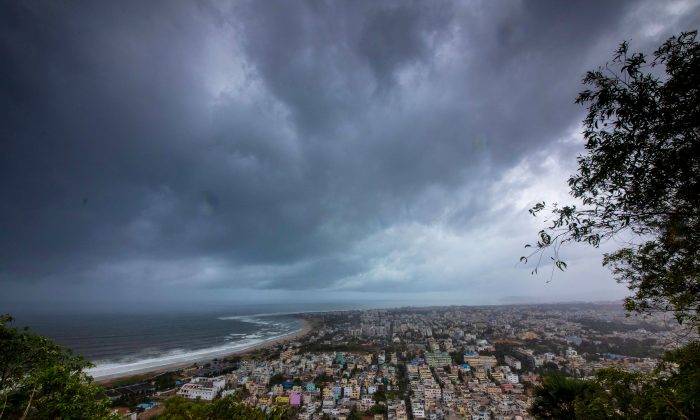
[[366, 148]]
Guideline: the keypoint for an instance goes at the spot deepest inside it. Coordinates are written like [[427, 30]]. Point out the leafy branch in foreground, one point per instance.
[[40, 379], [639, 177], [672, 391]]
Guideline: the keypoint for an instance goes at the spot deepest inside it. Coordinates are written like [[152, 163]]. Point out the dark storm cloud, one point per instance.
[[282, 145]]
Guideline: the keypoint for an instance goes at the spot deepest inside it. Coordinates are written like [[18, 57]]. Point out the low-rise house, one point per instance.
[[204, 388]]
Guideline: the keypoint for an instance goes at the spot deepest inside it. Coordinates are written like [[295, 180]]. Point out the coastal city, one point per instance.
[[350, 210], [413, 363]]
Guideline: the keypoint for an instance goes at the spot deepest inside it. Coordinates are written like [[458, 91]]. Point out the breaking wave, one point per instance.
[[175, 358], [267, 330]]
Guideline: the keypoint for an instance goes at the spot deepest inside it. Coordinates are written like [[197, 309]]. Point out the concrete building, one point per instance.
[[438, 359], [513, 362], [204, 388]]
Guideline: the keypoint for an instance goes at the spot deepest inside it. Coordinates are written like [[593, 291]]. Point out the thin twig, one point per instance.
[[29, 404], [4, 404]]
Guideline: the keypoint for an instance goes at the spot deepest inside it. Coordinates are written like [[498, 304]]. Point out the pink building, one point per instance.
[[295, 398]]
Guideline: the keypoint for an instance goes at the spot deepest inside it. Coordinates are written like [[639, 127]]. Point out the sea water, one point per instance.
[[127, 343]]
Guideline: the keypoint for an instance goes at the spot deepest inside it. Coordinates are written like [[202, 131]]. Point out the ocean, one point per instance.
[[126, 343]]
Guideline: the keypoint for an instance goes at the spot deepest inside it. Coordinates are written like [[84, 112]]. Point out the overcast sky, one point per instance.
[[297, 150]]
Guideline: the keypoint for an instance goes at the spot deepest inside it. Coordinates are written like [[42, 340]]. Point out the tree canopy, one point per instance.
[[671, 391], [640, 177], [229, 407], [40, 379]]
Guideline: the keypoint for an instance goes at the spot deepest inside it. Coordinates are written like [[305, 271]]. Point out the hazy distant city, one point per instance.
[[419, 362]]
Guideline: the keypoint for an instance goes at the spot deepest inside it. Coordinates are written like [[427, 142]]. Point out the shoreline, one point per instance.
[[307, 327]]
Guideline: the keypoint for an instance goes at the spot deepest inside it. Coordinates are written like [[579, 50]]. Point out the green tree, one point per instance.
[[379, 396], [40, 379], [230, 408], [377, 409], [277, 379], [178, 408], [640, 176], [672, 391], [354, 414], [556, 397]]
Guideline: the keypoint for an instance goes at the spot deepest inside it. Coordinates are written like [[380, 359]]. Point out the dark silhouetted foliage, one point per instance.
[[640, 177], [178, 408], [39, 379]]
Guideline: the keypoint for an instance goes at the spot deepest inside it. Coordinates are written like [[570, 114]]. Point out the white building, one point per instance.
[[513, 362], [512, 378], [227, 392], [418, 409], [204, 388]]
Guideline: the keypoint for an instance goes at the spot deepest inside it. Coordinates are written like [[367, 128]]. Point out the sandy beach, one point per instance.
[[306, 328]]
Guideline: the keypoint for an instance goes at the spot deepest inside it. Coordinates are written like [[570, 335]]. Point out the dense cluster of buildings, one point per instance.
[[434, 363]]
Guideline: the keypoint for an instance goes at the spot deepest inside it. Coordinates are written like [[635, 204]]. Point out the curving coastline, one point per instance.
[[102, 374]]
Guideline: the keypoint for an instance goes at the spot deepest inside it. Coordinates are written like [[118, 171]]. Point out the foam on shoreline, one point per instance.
[[179, 358]]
